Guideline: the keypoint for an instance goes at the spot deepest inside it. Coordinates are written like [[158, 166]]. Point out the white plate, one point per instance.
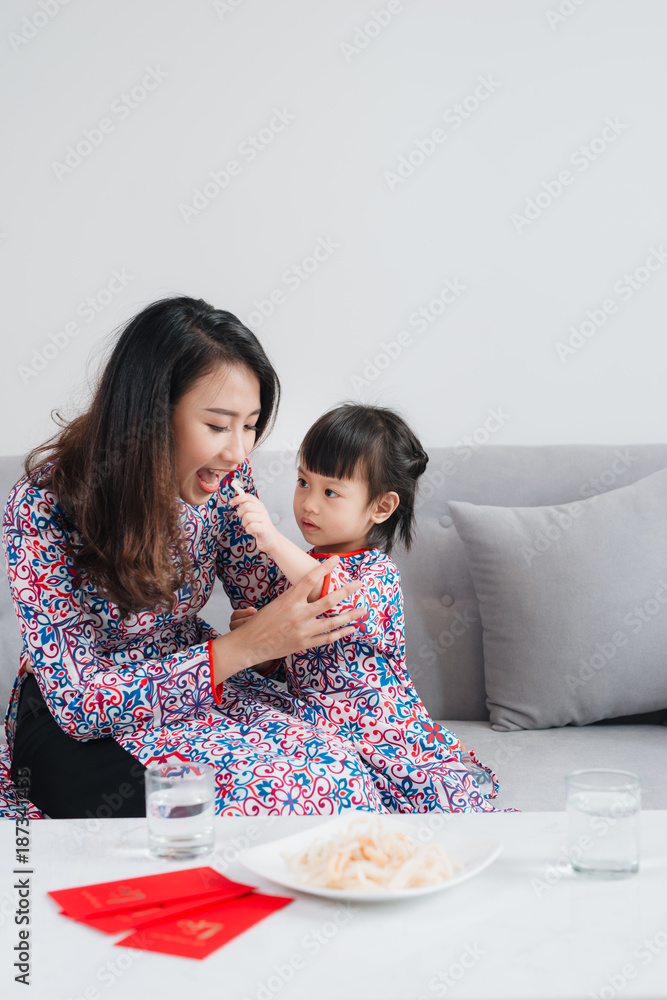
[[266, 860]]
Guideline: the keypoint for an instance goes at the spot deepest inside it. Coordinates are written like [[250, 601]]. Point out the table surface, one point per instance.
[[524, 927]]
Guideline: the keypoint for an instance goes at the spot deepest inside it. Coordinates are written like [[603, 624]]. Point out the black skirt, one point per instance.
[[70, 778]]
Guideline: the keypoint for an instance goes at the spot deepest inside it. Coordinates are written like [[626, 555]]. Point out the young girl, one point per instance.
[[357, 477]]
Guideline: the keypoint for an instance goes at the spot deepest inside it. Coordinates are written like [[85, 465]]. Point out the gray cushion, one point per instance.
[[573, 603], [531, 765]]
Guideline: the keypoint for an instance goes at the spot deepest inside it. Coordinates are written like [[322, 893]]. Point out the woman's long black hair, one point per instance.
[[114, 477]]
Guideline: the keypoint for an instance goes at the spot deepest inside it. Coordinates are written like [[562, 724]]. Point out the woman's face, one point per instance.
[[214, 430]]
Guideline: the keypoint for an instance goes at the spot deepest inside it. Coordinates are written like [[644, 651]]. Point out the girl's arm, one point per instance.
[[293, 561], [250, 577]]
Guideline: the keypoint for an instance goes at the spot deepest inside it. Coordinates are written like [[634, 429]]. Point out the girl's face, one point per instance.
[[214, 430], [334, 515]]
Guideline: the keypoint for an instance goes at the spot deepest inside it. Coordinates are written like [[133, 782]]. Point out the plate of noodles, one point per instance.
[[370, 858]]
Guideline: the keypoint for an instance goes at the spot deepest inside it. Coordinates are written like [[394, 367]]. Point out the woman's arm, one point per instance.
[[237, 619], [92, 694], [288, 624], [89, 694]]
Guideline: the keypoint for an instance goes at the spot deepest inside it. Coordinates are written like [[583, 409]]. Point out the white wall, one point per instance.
[[358, 100]]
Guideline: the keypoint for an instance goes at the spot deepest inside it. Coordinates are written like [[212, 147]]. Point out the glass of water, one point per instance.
[[180, 799], [603, 822]]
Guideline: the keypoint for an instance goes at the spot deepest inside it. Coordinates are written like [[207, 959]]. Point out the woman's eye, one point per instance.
[[248, 428], [214, 428]]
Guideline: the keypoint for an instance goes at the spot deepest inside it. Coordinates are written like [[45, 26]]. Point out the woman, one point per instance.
[[113, 542]]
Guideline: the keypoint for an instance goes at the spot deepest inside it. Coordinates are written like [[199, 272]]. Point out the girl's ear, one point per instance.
[[384, 507]]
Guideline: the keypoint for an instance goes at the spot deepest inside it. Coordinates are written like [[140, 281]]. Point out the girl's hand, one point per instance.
[[240, 616], [287, 625], [256, 520]]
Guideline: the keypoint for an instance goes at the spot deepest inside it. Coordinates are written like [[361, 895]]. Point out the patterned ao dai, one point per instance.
[[348, 731]]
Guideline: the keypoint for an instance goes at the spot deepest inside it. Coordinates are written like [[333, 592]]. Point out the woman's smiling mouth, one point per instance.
[[209, 479]]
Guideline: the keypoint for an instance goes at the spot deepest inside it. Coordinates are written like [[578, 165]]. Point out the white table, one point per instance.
[[525, 927]]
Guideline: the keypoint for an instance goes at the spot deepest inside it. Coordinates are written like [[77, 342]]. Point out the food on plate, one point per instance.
[[369, 855]]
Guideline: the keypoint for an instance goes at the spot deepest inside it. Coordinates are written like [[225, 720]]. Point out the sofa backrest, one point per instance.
[[443, 628]]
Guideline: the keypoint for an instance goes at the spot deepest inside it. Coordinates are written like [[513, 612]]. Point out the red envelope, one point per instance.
[[124, 920], [196, 933], [191, 884]]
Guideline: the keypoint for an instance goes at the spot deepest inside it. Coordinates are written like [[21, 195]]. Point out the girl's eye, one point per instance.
[[302, 483], [330, 493]]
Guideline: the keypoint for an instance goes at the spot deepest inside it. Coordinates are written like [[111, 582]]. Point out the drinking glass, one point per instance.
[[603, 822], [180, 800]]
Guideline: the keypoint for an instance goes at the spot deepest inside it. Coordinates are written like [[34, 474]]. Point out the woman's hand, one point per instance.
[[256, 520], [287, 625]]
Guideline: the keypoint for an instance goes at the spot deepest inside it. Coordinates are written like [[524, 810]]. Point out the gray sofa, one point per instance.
[[443, 625]]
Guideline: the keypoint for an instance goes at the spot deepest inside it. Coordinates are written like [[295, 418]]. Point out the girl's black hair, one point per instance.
[[377, 444]]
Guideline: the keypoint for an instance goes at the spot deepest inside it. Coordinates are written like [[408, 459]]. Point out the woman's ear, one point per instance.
[[384, 507]]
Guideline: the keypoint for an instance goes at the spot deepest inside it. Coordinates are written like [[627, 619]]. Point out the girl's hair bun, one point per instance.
[[419, 463]]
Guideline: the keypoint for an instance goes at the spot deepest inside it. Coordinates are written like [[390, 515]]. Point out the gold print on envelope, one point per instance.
[[202, 929]]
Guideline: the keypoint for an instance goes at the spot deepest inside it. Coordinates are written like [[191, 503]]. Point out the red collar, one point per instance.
[[327, 555]]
